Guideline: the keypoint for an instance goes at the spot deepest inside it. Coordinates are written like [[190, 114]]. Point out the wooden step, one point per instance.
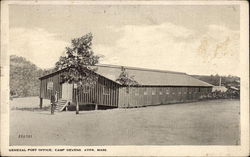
[[61, 104]]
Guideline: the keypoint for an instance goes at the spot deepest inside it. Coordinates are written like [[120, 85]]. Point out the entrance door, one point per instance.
[[67, 90]]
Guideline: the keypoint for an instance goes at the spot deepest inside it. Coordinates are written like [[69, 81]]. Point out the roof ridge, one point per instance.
[[139, 68]]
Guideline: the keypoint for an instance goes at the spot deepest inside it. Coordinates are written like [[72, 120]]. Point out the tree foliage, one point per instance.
[[24, 77], [79, 62], [215, 79], [125, 79]]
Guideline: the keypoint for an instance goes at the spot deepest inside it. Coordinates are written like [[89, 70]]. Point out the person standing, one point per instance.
[[56, 96], [53, 102]]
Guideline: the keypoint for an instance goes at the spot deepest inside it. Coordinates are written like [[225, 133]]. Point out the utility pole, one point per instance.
[[220, 81]]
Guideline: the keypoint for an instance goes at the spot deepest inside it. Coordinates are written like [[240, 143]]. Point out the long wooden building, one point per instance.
[[156, 87]]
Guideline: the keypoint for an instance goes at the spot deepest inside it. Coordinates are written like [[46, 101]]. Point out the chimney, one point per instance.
[[220, 82]]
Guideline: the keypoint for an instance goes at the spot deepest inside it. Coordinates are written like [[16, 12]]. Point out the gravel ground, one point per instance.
[[214, 122]]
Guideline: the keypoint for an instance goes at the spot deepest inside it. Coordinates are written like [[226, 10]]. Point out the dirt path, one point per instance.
[[201, 123]]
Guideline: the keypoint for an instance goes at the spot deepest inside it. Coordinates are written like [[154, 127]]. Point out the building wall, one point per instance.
[[108, 93], [44, 92], [144, 96], [105, 92]]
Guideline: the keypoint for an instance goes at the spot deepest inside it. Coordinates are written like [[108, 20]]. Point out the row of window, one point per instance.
[[160, 93], [147, 91], [106, 90], [167, 91]]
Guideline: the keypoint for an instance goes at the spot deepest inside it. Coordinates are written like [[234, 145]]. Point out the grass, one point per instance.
[[214, 122]]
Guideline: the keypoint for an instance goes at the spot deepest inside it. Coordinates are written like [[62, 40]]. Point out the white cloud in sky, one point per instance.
[[166, 46], [37, 45], [171, 47]]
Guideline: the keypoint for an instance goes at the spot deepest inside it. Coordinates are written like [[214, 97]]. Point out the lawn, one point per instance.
[[214, 122]]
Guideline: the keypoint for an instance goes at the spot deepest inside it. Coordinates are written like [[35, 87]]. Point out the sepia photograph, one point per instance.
[[124, 74]]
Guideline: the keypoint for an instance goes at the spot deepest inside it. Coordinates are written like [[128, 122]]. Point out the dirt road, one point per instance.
[[214, 122]]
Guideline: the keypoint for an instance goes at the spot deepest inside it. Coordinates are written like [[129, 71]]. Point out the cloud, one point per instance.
[[172, 47], [37, 45], [166, 46]]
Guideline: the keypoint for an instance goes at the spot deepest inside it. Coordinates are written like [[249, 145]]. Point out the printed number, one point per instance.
[[24, 136]]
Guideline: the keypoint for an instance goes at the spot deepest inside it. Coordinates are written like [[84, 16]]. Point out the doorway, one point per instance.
[[67, 91]]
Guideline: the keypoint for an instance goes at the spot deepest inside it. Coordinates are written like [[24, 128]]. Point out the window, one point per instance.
[[205, 90], [136, 91], [167, 91], [160, 91], [173, 90], [145, 91], [105, 90], [192, 90], [185, 90], [127, 90], [86, 89], [153, 92]]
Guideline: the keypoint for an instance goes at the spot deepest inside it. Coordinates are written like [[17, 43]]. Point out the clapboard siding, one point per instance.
[[144, 96], [96, 94], [44, 92]]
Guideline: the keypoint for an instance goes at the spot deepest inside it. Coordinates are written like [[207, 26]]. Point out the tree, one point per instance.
[[79, 64], [24, 77], [125, 79]]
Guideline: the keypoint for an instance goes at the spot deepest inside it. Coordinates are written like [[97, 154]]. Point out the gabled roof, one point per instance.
[[151, 77], [148, 77]]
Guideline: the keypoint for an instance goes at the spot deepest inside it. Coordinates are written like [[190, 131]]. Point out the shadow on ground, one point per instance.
[[47, 108]]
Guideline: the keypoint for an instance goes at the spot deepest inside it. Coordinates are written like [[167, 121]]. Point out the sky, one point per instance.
[[195, 39]]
